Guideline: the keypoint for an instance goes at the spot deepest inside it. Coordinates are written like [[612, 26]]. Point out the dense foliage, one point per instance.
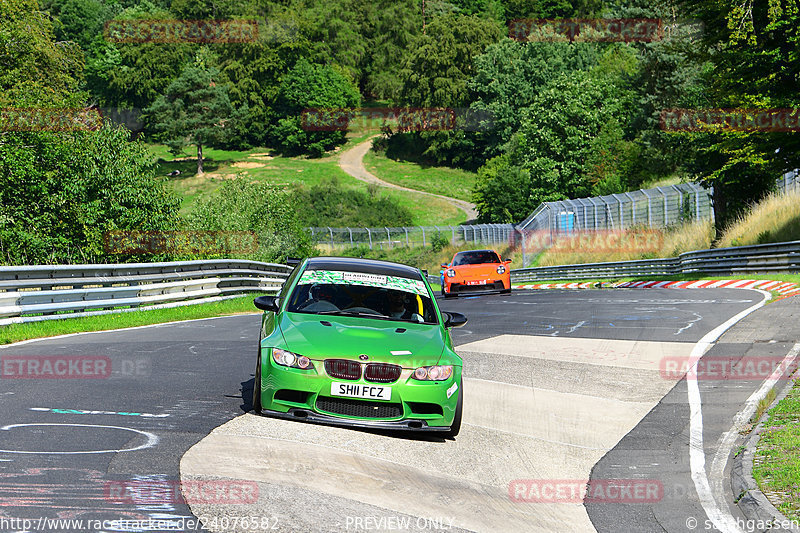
[[330, 204], [239, 206], [538, 120]]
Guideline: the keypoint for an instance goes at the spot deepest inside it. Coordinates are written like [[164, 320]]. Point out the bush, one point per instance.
[[330, 204], [439, 241], [241, 206], [61, 192]]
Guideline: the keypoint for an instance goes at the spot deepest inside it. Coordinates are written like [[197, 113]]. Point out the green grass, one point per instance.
[[51, 328], [452, 182], [263, 165], [774, 219], [776, 467]]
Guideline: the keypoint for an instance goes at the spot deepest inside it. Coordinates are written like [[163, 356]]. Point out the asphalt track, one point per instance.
[[558, 385]]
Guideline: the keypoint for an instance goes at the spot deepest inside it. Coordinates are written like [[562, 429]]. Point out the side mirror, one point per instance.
[[267, 303], [507, 261], [444, 265], [454, 320]]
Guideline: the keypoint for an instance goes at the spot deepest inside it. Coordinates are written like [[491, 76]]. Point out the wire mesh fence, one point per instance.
[[658, 207], [383, 238], [790, 182]]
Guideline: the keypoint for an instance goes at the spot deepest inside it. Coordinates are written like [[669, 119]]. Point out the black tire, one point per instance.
[[257, 389], [505, 291], [456, 426], [449, 294]]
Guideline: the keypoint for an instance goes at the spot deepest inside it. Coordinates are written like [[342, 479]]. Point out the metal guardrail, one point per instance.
[[779, 257], [387, 238], [46, 292]]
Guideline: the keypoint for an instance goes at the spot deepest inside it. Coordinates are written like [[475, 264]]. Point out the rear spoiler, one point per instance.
[[293, 261]]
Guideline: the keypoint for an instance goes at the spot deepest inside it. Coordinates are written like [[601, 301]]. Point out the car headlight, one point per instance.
[[433, 373], [287, 358], [501, 269], [450, 273]]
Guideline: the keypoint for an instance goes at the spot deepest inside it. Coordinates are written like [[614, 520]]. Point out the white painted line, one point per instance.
[[152, 439], [743, 417], [28, 341], [722, 519]]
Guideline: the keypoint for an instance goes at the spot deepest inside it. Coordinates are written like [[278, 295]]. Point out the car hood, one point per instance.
[[349, 337], [482, 268]]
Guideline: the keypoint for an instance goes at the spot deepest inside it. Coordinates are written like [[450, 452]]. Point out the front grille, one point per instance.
[[361, 409], [382, 373], [343, 369]]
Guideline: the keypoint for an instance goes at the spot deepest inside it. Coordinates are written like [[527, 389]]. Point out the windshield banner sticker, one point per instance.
[[358, 278]]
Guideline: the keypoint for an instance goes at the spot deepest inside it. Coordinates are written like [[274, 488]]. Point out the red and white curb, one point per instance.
[[587, 285], [784, 288]]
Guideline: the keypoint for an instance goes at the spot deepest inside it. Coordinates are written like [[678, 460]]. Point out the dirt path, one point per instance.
[[352, 162]]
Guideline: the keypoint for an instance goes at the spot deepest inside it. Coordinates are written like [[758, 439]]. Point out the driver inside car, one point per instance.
[[320, 299], [398, 309]]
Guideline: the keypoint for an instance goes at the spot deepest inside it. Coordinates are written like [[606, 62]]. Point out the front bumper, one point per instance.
[[463, 287], [306, 395], [308, 415]]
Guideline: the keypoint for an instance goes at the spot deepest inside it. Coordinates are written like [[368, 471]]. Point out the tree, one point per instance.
[[134, 74], [308, 86], [753, 47], [439, 63], [29, 55], [194, 110]]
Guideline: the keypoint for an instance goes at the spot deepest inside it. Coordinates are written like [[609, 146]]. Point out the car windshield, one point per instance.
[[475, 258], [383, 297]]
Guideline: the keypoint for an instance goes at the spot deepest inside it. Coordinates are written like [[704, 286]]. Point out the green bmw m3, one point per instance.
[[359, 342]]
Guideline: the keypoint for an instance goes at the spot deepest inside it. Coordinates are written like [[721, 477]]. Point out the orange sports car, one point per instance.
[[475, 271]]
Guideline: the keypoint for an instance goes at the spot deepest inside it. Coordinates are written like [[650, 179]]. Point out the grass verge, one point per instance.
[[776, 466], [51, 328], [451, 182], [774, 219], [635, 243], [263, 165]]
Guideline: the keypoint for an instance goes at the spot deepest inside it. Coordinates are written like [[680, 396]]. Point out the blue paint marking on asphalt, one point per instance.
[[612, 325]]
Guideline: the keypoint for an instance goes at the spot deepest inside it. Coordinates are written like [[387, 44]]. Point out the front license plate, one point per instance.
[[480, 282], [360, 390]]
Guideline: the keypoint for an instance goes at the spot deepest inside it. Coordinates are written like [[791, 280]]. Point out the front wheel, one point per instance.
[[257, 389], [455, 427]]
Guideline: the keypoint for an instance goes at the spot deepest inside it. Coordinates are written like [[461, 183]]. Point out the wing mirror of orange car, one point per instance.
[[507, 261], [444, 265]]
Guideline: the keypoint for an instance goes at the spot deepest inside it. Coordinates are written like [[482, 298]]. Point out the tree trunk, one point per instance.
[[199, 159], [720, 207]]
